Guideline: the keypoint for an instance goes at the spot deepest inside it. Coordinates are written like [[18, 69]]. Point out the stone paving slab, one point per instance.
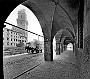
[[52, 70]]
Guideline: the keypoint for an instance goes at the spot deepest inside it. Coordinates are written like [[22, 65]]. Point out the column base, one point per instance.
[[48, 57], [57, 53]]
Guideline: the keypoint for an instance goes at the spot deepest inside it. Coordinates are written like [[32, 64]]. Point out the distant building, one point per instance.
[[13, 36]]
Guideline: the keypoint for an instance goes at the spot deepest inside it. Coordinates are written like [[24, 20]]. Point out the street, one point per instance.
[[15, 65]]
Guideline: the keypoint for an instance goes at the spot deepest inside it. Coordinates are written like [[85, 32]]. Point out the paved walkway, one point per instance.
[[63, 67], [14, 55]]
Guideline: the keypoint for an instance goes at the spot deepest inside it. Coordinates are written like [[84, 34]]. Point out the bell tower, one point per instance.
[[22, 21]]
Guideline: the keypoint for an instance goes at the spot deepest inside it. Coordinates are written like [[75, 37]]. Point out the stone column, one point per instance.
[[57, 48], [61, 48], [80, 24], [65, 47], [48, 50], [73, 47]]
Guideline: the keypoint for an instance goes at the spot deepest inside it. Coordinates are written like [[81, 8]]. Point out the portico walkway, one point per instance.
[[61, 68]]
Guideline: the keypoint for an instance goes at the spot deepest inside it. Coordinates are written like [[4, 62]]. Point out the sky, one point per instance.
[[33, 23]]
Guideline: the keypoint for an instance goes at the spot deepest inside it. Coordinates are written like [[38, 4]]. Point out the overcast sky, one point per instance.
[[33, 23]]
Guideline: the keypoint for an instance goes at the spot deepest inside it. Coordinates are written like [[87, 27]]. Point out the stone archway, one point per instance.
[[44, 13], [65, 41], [47, 13], [70, 46], [59, 35]]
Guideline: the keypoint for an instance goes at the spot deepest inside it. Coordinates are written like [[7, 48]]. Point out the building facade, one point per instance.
[[11, 38]]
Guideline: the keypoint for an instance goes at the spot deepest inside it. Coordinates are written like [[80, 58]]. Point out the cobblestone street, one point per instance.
[[13, 66]]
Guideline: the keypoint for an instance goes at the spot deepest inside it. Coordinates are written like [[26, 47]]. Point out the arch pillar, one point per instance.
[[73, 47], [64, 47], [57, 48], [48, 50], [61, 48]]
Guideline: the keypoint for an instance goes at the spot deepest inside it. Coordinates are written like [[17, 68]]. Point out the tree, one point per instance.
[[21, 44], [36, 42]]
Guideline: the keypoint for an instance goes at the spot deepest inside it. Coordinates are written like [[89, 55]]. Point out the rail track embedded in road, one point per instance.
[[27, 71]]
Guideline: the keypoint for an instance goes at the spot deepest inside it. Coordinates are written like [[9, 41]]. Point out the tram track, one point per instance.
[[27, 70], [22, 65]]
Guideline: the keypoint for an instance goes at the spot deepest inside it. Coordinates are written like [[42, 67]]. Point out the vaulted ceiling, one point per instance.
[[62, 13]]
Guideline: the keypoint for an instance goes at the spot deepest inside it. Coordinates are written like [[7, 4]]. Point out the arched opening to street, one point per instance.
[[70, 46], [63, 47], [22, 29], [27, 28], [54, 48]]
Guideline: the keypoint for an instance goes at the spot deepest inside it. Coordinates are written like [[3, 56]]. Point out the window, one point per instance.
[[7, 43], [16, 36], [21, 16], [14, 39], [7, 34], [11, 43], [11, 39], [14, 43], [11, 35], [21, 22], [7, 38], [22, 40], [7, 30], [11, 32]]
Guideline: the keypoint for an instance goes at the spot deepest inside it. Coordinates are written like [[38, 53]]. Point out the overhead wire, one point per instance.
[[23, 29]]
